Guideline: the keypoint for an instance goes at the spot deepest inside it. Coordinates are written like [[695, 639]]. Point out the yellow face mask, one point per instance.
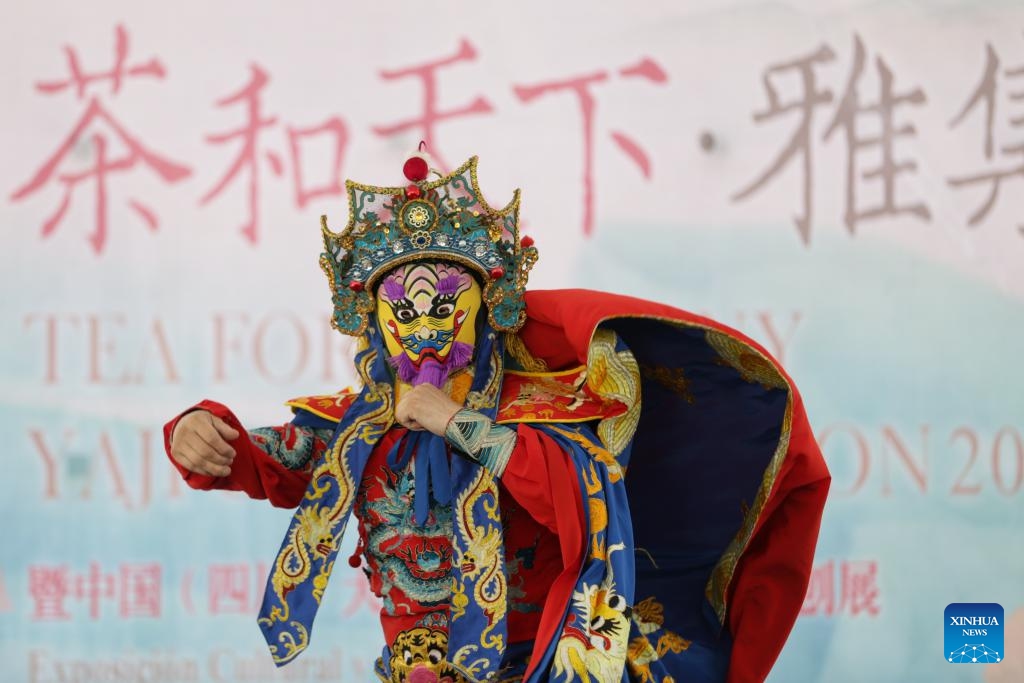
[[427, 314]]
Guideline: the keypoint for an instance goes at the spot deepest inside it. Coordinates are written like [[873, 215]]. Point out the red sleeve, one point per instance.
[[771, 577], [542, 479], [252, 471]]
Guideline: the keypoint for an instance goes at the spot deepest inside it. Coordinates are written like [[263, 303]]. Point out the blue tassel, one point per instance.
[[431, 473], [398, 455]]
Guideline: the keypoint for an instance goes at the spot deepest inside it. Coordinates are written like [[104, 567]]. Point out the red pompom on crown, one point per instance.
[[417, 167]]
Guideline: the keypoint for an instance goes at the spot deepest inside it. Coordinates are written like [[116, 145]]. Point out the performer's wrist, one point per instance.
[[181, 418], [448, 425], [476, 437]]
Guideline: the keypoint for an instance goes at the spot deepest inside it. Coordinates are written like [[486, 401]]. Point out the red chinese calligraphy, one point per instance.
[[228, 586], [140, 587], [49, 587], [136, 587], [821, 592], [94, 587], [985, 96], [580, 87], [128, 153], [432, 115], [859, 587], [248, 158], [337, 133], [855, 592]]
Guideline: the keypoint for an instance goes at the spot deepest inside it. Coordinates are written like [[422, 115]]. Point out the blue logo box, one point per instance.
[[974, 633]]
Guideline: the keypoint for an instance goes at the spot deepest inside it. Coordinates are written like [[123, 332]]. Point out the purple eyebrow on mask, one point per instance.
[[448, 285], [393, 290]]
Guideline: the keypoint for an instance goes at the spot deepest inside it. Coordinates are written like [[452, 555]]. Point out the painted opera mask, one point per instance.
[[427, 312]]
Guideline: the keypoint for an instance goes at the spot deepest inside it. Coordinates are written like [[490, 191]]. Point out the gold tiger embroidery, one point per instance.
[[421, 650]]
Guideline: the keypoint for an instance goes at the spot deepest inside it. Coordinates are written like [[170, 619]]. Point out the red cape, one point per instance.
[[770, 580]]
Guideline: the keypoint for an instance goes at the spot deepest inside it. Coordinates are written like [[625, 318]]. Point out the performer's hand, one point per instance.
[[426, 407], [199, 443]]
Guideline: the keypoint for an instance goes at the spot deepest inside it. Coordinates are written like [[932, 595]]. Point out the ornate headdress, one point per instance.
[[445, 220]]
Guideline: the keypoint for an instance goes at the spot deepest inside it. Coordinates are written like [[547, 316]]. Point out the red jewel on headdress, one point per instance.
[[416, 169], [527, 241], [497, 273], [355, 286], [413, 192]]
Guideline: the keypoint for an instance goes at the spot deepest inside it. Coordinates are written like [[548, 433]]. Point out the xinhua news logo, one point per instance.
[[974, 633]]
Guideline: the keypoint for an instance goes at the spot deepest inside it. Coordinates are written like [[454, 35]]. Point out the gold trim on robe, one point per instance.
[[526, 397]]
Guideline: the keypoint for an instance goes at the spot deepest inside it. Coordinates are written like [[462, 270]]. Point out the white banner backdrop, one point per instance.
[[840, 180]]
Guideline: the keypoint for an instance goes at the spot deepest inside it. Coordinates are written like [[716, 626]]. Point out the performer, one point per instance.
[[485, 460]]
